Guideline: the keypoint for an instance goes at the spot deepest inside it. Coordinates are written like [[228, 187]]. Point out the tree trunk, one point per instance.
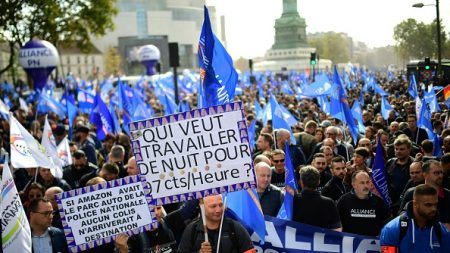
[[11, 58]]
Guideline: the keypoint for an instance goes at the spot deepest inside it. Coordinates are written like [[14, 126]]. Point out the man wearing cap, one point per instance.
[[59, 132], [85, 143], [78, 169]]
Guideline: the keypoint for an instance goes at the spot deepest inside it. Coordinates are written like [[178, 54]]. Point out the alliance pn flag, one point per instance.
[[218, 78], [26, 152]]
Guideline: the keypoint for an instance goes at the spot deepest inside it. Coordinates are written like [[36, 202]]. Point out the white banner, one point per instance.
[[192, 154], [94, 215], [16, 234]]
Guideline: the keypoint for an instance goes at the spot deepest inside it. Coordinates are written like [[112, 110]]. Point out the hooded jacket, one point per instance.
[[416, 239]]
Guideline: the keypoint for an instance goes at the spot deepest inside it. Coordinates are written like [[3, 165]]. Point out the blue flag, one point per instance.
[[101, 117], [379, 174], [324, 104], [287, 209], [278, 120], [85, 101], [169, 105], [258, 110], [217, 74], [125, 106], [357, 114], [424, 120], [244, 206], [183, 106], [47, 104], [379, 90], [320, 87], [431, 99], [386, 108], [339, 100], [437, 146], [141, 113], [252, 134], [115, 121], [286, 88], [412, 88]]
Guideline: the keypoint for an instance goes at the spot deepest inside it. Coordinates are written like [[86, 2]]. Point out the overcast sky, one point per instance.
[[250, 32]]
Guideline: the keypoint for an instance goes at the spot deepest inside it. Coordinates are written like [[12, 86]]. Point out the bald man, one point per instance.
[[270, 197], [50, 195], [193, 239], [132, 168]]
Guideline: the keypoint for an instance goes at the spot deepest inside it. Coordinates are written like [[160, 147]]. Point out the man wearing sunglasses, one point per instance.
[[45, 238], [278, 169]]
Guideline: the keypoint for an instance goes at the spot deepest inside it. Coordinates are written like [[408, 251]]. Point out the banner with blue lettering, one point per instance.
[[288, 236]]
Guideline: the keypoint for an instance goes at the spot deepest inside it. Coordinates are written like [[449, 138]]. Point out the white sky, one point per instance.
[[249, 23]]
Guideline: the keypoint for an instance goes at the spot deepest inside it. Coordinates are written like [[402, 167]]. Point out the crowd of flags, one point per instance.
[[218, 83]]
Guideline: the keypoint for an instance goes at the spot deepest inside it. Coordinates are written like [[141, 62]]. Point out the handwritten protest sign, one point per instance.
[[95, 215], [193, 154]]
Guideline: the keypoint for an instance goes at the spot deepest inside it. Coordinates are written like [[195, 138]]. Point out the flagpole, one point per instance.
[[441, 90], [221, 223]]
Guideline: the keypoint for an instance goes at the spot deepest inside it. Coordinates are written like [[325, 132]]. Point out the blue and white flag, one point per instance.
[[101, 118], [16, 232], [85, 101], [217, 74], [4, 110], [412, 88], [287, 209], [244, 206], [379, 174], [320, 87], [47, 104], [386, 108], [278, 120]]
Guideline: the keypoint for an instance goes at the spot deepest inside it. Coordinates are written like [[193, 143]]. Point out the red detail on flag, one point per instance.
[[447, 92], [388, 249]]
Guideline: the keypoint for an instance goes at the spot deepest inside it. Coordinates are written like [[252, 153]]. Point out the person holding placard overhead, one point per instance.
[[234, 237]]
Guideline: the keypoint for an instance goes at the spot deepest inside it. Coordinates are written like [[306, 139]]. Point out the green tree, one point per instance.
[[112, 61], [61, 22], [332, 46], [417, 40]]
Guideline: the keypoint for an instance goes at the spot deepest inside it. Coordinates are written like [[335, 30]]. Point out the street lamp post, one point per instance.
[[438, 23]]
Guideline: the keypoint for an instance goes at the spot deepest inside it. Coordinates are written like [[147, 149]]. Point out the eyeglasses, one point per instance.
[[47, 213], [278, 161], [35, 196]]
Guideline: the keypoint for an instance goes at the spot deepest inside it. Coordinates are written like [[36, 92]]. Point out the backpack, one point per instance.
[[229, 227], [404, 224]]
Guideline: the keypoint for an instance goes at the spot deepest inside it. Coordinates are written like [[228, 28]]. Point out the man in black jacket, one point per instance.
[[336, 186], [270, 196], [234, 236], [78, 169]]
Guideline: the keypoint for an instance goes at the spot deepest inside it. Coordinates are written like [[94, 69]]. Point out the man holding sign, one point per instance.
[[234, 236]]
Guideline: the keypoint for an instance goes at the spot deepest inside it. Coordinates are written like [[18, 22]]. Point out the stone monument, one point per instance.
[[290, 50]]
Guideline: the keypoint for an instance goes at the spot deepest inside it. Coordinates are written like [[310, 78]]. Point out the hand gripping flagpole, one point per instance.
[[202, 210]]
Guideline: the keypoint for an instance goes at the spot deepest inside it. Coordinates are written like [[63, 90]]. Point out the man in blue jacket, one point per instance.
[[417, 230], [45, 238]]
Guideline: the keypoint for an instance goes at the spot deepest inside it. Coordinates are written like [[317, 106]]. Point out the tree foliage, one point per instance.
[[112, 61], [417, 40], [61, 22], [332, 46]]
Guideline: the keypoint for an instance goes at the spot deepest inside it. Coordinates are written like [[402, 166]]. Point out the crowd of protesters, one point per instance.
[[333, 171]]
